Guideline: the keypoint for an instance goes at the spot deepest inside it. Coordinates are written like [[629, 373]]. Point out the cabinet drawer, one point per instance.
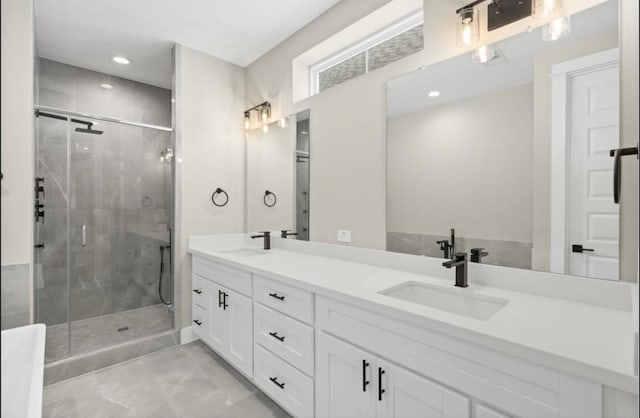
[[234, 279], [485, 412], [294, 302], [199, 322], [287, 338], [283, 383], [199, 291]]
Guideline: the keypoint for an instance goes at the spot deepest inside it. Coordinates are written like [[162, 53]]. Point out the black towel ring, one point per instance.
[[217, 192], [275, 199]]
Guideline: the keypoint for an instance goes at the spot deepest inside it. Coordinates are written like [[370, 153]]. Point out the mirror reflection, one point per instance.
[[510, 158], [278, 159]]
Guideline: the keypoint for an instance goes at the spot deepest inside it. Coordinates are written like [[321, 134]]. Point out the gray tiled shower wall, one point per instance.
[[501, 253], [116, 186]]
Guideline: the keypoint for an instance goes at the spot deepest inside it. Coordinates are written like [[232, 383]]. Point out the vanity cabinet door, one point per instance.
[[403, 394], [218, 326], [345, 381], [239, 311]]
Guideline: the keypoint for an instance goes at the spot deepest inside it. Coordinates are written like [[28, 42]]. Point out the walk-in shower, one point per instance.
[[103, 241]]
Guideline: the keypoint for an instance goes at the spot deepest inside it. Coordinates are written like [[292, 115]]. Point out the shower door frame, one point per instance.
[[67, 116]]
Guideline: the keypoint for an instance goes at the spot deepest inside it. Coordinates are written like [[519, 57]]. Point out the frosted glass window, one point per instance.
[[339, 73], [396, 48]]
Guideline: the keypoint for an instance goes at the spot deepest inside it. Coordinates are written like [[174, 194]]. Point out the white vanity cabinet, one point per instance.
[[352, 382], [226, 320]]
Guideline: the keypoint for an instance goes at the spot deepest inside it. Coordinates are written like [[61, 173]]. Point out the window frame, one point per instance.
[[405, 24]]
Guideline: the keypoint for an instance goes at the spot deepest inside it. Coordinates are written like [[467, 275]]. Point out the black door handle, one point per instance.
[[275, 382], [577, 248], [617, 173], [380, 390], [276, 336], [365, 382], [198, 323], [197, 291], [276, 296]]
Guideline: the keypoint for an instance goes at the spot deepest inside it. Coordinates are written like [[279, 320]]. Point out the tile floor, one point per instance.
[[187, 381], [102, 331]]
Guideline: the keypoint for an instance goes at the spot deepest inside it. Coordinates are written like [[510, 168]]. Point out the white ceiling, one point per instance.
[[459, 78], [86, 33]]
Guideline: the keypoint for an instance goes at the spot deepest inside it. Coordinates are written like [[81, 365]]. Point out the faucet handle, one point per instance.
[[478, 251], [443, 243], [460, 256]]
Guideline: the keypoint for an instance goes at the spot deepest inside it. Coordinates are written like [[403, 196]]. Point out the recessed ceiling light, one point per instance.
[[106, 86], [121, 60], [434, 93]]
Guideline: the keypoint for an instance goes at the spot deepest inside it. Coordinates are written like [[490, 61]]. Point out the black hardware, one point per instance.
[[504, 12], [444, 246], [220, 302], [380, 390], [276, 296], [459, 261], [617, 172], [275, 382], [578, 248], [39, 246], [197, 322], [39, 211], [197, 291], [276, 336], [477, 254], [267, 193], [217, 192], [267, 239], [285, 233], [365, 382], [225, 305], [39, 188], [89, 129]]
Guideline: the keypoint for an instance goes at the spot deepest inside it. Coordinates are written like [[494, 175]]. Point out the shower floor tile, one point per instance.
[[102, 331]]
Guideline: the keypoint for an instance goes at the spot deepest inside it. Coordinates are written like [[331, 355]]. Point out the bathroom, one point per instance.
[[413, 162]]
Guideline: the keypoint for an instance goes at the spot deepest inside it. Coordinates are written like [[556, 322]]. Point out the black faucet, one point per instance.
[[477, 254], [459, 261], [444, 246], [285, 233], [448, 246], [267, 239]]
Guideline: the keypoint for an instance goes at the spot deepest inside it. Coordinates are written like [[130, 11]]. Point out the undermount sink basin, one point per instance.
[[458, 301], [246, 252]]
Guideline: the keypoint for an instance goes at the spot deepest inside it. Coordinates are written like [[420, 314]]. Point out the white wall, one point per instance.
[[210, 152], [465, 164], [17, 131]]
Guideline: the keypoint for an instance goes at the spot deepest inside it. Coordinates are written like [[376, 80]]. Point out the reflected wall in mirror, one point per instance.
[[513, 154], [278, 176]]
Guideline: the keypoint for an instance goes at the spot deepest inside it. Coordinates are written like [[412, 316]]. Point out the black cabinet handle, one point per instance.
[[275, 382], [577, 248], [276, 336], [197, 322], [365, 382], [276, 296], [380, 390], [225, 305], [197, 291], [220, 302]]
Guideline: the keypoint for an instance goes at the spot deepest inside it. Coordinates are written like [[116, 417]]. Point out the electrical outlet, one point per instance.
[[344, 235]]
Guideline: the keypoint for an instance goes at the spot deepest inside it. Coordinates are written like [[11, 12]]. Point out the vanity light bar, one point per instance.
[[264, 114]]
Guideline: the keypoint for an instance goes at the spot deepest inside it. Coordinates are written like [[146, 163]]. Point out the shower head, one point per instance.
[[89, 130]]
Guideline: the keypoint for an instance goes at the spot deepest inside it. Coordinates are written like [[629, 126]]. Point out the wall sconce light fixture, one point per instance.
[[468, 28], [264, 113]]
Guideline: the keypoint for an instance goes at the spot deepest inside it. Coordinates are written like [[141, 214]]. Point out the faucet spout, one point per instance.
[[267, 239], [459, 261]]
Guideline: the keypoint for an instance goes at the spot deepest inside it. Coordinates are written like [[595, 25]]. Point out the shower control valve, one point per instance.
[[39, 211]]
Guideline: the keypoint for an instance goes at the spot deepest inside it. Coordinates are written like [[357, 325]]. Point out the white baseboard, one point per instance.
[[187, 335]]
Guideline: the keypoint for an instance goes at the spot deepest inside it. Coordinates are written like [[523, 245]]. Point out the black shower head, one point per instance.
[[89, 130]]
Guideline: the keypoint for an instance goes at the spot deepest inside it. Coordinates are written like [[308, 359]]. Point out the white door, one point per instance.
[[593, 219], [345, 382], [239, 311], [407, 395], [218, 324]]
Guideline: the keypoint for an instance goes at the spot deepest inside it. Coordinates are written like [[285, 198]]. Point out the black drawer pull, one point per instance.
[[225, 305], [276, 336], [276, 296], [380, 390], [365, 382], [197, 322], [275, 382], [220, 302], [197, 291]]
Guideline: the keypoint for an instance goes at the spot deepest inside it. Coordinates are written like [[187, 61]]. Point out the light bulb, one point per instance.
[[556, 29], [467, 36], [247, 121], [483, 54], [265, 128], [264, 113], [468, 28]]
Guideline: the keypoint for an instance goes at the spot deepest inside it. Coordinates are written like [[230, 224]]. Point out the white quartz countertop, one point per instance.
[[592, 341]]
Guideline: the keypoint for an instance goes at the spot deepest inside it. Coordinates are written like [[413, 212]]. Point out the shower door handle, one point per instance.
[[84, 235]]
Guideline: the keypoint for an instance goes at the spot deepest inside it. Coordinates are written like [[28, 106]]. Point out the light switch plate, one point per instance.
[[344, 235]]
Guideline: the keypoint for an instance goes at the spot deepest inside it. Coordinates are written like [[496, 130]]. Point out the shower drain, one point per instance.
[[122, 329]]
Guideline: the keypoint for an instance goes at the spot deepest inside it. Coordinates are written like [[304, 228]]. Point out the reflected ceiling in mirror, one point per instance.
[[475, 147]]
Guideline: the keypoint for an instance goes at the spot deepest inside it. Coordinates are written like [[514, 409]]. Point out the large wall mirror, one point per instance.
[[278, 158], [512, 154]]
